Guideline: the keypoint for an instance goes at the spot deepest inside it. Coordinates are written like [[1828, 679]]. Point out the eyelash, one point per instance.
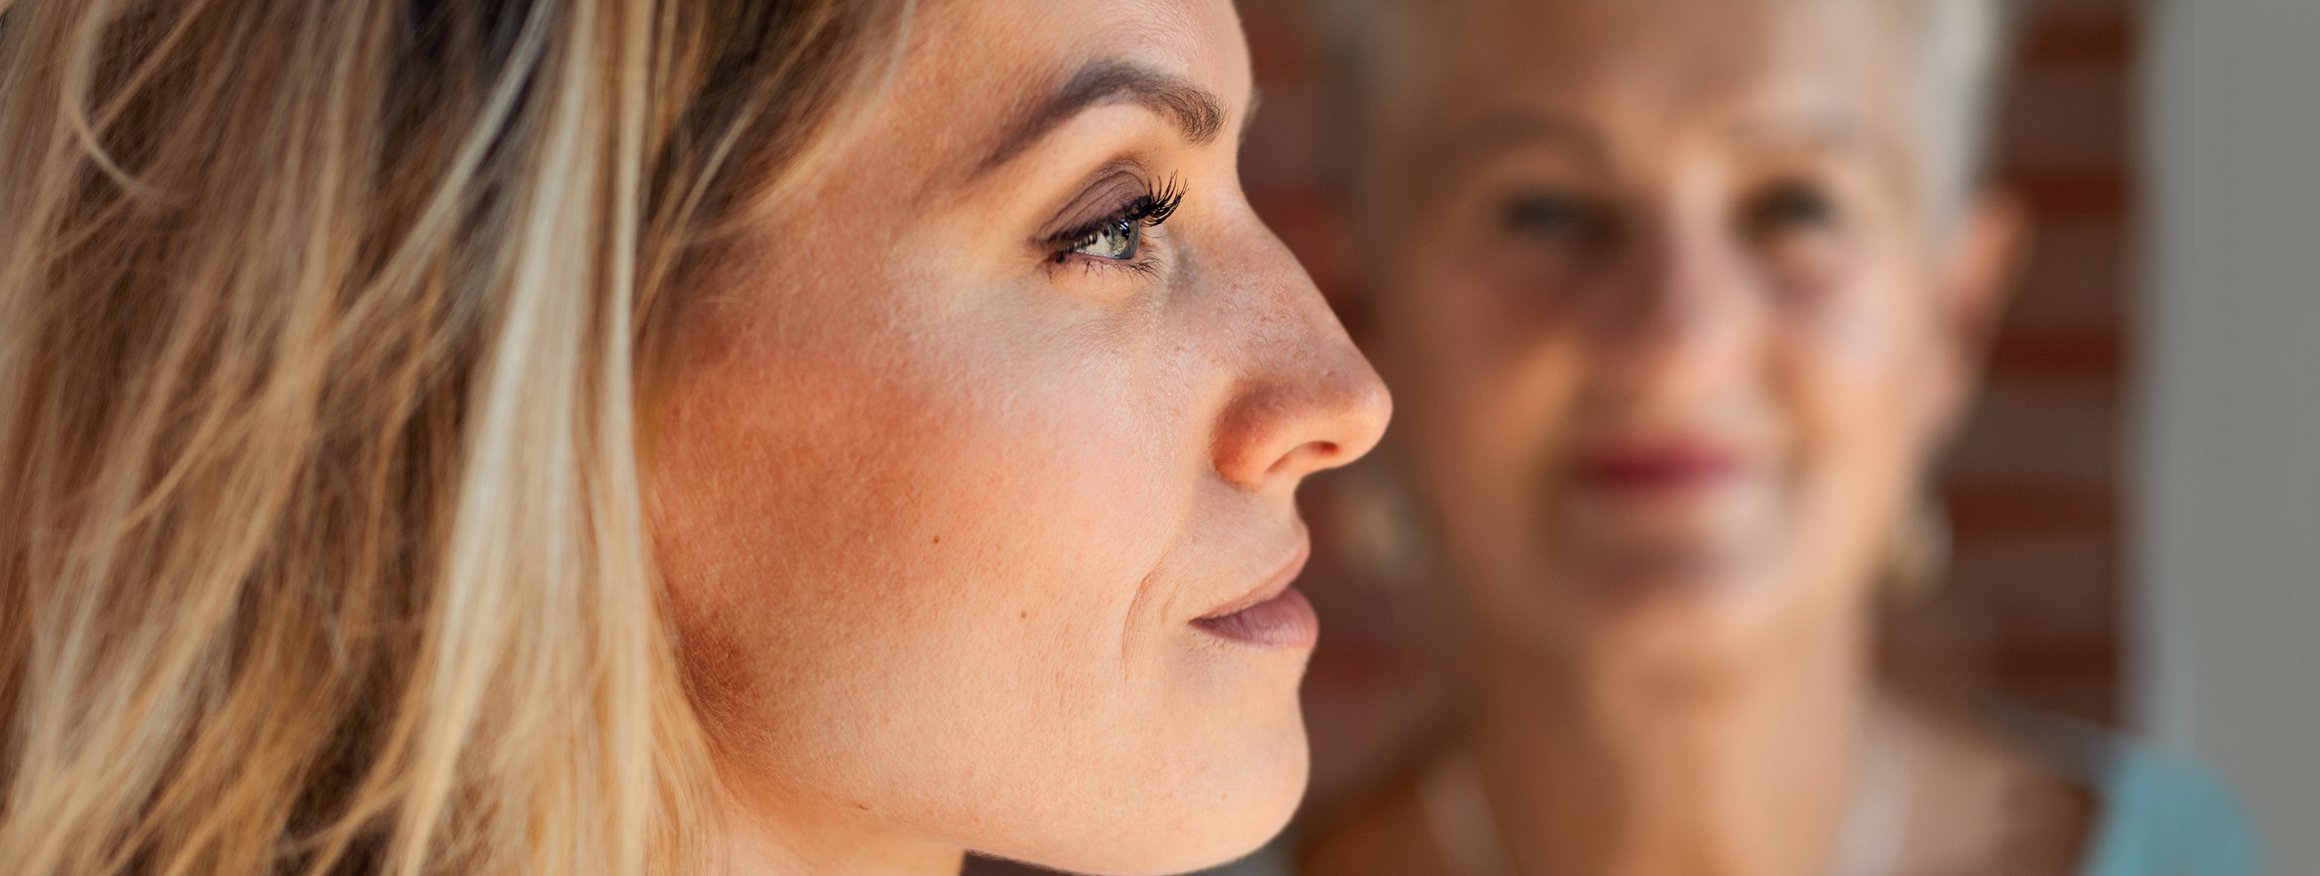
[[1148, 210]]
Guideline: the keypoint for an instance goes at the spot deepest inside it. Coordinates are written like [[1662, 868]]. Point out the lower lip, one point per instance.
[[1286, 621]]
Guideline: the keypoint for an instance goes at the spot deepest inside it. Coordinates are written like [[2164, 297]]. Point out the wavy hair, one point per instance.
[[322, 333]]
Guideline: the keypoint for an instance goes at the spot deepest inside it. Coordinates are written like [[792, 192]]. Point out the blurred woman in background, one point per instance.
[[622, 436], [1682, 300]]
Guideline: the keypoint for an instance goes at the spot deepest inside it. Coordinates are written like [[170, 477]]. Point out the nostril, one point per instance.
[[1281, 427], [1312, 456]]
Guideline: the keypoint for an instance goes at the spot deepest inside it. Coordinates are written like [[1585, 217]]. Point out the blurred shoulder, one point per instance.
[[1385, 833], [2160, 815]]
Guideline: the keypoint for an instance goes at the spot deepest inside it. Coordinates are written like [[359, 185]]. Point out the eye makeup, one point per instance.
[[1120, 209]]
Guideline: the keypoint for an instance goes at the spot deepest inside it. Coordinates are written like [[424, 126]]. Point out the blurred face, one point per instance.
[[1672, 334], [974, 477]]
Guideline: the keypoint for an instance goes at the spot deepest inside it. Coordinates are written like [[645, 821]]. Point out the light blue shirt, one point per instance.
[[2160, 816]]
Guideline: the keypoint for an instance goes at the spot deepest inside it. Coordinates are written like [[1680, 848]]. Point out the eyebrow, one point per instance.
[[1508, 129], [1465, 148], [1196, 111], [1833, 133]]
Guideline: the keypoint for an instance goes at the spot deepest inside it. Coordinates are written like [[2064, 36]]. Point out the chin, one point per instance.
[[1228, 824], [1270, 798], [1598, 612], [1210, 805]]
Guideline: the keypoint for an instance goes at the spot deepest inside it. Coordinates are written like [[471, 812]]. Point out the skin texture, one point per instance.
[[936, 510], [1602, 232]]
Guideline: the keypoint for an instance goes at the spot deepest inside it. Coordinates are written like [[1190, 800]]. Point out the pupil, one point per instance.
[[1121, 242]]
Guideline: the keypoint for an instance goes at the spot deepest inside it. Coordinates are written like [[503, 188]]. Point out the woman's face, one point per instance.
[[966, 472], [1673, 331]]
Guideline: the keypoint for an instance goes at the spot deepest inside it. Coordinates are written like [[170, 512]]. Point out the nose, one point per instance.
[[1306, 399]]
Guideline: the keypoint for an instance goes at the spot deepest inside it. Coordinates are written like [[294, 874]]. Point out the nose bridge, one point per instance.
[[1683, 299], [1302, 399]]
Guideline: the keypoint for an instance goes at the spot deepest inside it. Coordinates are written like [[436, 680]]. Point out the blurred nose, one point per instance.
[[1305, 400]]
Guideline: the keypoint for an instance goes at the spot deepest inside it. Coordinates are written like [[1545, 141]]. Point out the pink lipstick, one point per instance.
[[1284, 621], [1274, 615], [1660, 468]]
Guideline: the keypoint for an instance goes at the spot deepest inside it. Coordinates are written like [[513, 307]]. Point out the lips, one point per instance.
[[1658, 468], [1285, 621], [1274, 615]]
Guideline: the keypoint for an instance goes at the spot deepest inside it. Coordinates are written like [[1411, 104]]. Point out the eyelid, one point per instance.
[[1103, 193], [1116, 199]]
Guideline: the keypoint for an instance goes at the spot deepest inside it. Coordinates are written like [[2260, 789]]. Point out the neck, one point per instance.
[[1718, 767], [772, 840]]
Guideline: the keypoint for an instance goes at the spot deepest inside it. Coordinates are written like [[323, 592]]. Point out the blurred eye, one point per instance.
[[1550, 244], [1554, 215], [1795, 229], [1789, 208]]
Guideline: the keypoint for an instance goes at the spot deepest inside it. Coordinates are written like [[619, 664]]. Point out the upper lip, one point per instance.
[[1274, 584]]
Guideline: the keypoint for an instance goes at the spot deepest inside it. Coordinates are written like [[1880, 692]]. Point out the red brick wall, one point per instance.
[[2033, 611], [2036, 486]]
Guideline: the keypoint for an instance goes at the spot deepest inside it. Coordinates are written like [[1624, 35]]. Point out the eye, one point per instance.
[[1545, 213], [1791, 207], [1553, 215], [1796, 230], [1118, 240], [1119, 236]]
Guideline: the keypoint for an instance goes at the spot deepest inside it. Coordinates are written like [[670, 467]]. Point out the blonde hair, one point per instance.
[[322, 327]]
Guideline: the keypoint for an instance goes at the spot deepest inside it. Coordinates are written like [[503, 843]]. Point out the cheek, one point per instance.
[[1853, 380], [1853, 371], [906, 553]]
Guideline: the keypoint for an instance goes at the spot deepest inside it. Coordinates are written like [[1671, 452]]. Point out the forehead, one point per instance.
[[968, 61], [1621, 63]]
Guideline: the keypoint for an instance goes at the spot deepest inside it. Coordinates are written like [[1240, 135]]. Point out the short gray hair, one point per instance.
[[1964, 55], [1964, 47]]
